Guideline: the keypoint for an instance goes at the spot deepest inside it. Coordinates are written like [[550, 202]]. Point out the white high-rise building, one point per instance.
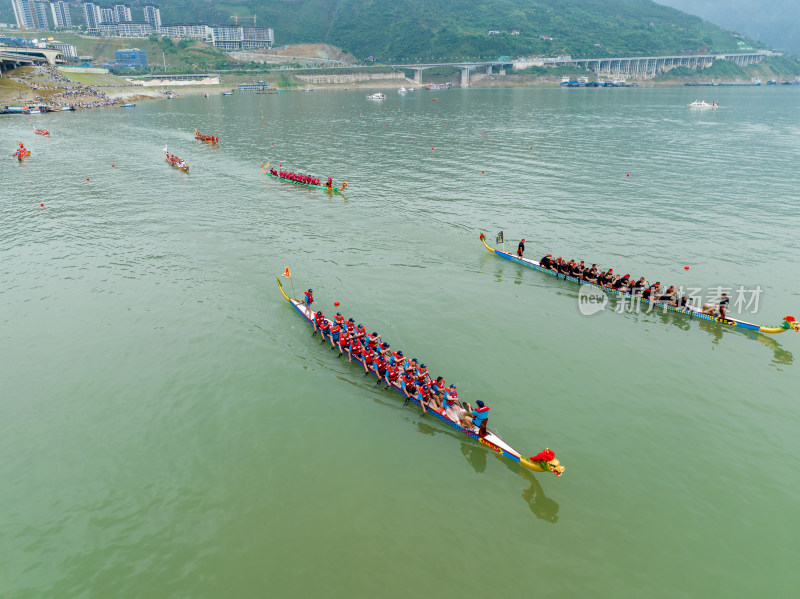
[[61, 16], [123, 12], [91, 14], [40, 15], [30, 14], [107, 15], [152, 15]]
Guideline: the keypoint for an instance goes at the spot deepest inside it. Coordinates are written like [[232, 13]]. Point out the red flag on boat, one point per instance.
[[287, 273]]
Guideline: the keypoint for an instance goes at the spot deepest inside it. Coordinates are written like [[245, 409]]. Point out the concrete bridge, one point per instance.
[[465, 67], [11, 57], [644, 67], [636, 67]]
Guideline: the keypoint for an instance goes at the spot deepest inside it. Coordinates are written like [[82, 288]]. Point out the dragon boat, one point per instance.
[[336, 190], [21, 155], [206, 138], [544, 461], [789, 322], [41, 131], [178, 163]]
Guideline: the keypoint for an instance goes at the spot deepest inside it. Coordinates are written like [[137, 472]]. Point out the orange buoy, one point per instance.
[[336, 303], [686, 268]]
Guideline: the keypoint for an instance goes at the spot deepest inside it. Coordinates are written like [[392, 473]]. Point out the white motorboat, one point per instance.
[[402, 91], [378, 96], [702, 105]]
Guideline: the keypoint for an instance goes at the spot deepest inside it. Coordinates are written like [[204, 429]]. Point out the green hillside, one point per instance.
[[405, 30], [426, 30]]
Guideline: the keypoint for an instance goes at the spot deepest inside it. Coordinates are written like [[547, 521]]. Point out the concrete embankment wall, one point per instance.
[[98, 70], [349, 77]]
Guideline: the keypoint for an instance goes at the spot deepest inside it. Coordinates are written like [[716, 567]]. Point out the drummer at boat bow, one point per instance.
[[520, 248]]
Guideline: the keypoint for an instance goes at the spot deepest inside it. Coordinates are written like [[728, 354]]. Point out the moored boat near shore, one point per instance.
[[789, 322], [544, 461]]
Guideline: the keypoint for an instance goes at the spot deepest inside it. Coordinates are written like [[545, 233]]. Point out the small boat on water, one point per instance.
[[402, 91], [67, 108], [544, 461], [703, 105], [265, 168], [206, 138], [176, 162], [21, 153], [42, 132], [227, 93], [377, 97], [789, 322], [127, 105]]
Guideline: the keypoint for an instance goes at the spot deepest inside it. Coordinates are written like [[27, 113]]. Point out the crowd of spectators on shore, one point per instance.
[[55, 90]]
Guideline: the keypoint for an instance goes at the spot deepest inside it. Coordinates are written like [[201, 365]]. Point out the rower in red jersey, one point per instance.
[[372, 342], [336, 332], [369, 360], [360, 334], [380, 368], [344, 345], [351, 326], [318, 318], [339, 319], [392, 374], [356, 351], [422, 374], [325, 328], [407, 384]]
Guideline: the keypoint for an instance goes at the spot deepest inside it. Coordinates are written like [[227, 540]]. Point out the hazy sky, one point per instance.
[[774, 22]]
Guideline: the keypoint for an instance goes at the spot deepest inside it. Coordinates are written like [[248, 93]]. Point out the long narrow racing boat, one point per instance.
[[178, 163], [206, 138], [544, 461], [336, 190], [789, 322]]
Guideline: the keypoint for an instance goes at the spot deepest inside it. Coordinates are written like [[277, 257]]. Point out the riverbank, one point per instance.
[[52, 87]]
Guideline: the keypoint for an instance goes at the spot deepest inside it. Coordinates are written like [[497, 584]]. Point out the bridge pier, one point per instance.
[[488, 69], [464, 76], [418, 76]]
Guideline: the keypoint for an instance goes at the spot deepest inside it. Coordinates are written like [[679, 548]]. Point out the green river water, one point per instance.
[[169, 428]]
